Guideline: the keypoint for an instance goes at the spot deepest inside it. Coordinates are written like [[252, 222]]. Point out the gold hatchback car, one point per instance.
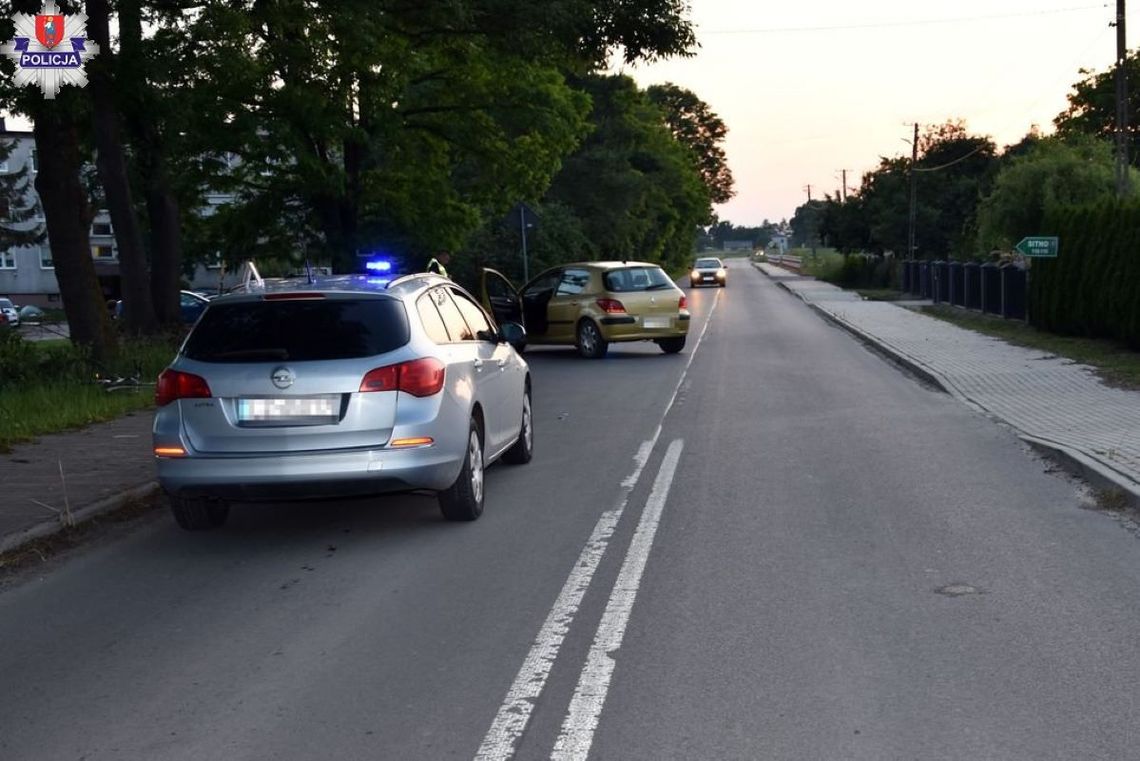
[[593, 304]]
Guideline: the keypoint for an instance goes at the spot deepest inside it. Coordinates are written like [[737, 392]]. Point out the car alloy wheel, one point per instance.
[[463, 500], [523, 449], [591, 344]]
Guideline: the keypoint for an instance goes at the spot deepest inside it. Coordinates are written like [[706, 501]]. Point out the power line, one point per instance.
[[913, 22]]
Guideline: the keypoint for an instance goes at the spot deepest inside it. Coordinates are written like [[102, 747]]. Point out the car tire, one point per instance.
[[693, 284], [523, 449], [463, 500], [199, 513], [591, 344], [671, 345]]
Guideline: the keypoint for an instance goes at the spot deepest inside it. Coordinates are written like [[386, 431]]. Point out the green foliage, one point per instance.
[[954, 168], [1093, 287], [634, 188], [862, 271], [1092, 105], [16, 216], [695, 125], [1051, 173]]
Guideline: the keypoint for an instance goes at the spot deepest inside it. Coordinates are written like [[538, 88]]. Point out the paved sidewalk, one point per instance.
[[102, 465], [1051, 401]]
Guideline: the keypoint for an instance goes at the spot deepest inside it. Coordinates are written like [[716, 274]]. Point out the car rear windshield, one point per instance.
[[708, 264], [636, 279], [6, 304], [298, 331]]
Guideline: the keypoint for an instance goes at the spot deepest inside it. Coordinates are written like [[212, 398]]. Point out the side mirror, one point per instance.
[[514, 334]]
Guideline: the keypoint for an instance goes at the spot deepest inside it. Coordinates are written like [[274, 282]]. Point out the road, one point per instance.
[[774, 545]]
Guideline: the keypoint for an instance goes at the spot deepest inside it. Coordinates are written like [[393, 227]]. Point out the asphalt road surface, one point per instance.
[[774, 545]]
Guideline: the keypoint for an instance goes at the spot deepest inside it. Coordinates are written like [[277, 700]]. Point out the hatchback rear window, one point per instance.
[[298, 331], [636, 279]]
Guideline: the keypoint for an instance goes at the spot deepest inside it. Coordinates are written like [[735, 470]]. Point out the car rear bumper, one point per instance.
[[310, 475], [637, 330]]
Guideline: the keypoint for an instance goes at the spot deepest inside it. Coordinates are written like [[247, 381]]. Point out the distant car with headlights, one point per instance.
[[340, 387], [708, 270], [590, 305]]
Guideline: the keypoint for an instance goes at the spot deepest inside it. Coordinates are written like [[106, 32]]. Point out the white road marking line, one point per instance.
[[581, 721], [510, 722]]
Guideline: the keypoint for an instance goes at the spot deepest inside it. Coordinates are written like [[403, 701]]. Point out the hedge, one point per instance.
[[1093, 287]]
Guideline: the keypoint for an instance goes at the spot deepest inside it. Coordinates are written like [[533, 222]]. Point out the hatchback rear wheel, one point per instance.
[[463, 500], [671, 345], [199, 513], [591, 343]]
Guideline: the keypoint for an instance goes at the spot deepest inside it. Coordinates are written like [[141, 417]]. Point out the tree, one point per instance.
[[1052, 174], [67, 215], [632, 185], [114, 176], [1092, 106], [695, 125], [17, 225]]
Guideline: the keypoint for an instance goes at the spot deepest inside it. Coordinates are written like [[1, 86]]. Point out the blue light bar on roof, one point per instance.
[[378, 265]]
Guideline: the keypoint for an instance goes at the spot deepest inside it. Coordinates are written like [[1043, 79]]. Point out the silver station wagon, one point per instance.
[[340, 388]]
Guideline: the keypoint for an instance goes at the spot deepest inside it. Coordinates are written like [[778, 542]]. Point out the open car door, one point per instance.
[[500, 297]]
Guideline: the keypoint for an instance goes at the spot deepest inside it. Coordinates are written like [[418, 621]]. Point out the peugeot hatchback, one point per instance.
[[593, 304], [337, 389]]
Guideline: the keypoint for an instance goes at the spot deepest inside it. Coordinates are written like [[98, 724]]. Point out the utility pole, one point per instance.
[[914, 194], [1121, 104], [843, 187]]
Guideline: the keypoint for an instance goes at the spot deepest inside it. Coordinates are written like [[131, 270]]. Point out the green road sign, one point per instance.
[[1038, 245]]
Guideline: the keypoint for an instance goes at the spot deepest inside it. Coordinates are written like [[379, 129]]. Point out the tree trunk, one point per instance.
[[161, 203], [68, 218], [138, 307]]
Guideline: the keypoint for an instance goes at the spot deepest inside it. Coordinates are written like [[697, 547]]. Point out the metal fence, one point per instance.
[[990, 287]]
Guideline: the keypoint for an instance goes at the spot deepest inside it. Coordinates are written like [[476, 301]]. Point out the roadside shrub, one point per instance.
[[862, 271], [1093, 287]]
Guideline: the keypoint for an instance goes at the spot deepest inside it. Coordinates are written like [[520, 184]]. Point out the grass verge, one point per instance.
[[881, 294], [56, 390], [1115, 363]]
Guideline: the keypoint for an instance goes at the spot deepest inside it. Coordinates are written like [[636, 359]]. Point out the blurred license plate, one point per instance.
[[656, 322], [309, 409]]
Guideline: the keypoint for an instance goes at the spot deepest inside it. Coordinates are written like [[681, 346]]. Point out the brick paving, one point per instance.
[[99, 462], [1041, 395]]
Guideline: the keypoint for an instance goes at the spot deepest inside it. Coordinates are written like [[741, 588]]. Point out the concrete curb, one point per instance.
[[1075, 462], [82, 515]]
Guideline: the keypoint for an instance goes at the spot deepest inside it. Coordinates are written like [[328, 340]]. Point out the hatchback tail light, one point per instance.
[[173, 385], [683, 304], [611, 306], [419, 377]]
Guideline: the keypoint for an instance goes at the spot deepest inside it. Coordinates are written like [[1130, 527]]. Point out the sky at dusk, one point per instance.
[[810, 88]]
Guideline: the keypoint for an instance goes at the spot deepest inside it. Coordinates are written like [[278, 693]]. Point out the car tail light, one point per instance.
[[173, 385], [419, 377], [611, 306], [684, 303]]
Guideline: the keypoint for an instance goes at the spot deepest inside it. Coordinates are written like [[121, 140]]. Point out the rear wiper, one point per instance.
[[659, 286], [252, 354]]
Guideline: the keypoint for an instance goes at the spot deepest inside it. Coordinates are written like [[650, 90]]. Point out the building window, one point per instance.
[[45, 257], [4, 167], [102, 252], [102, 229], [7, 260]]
